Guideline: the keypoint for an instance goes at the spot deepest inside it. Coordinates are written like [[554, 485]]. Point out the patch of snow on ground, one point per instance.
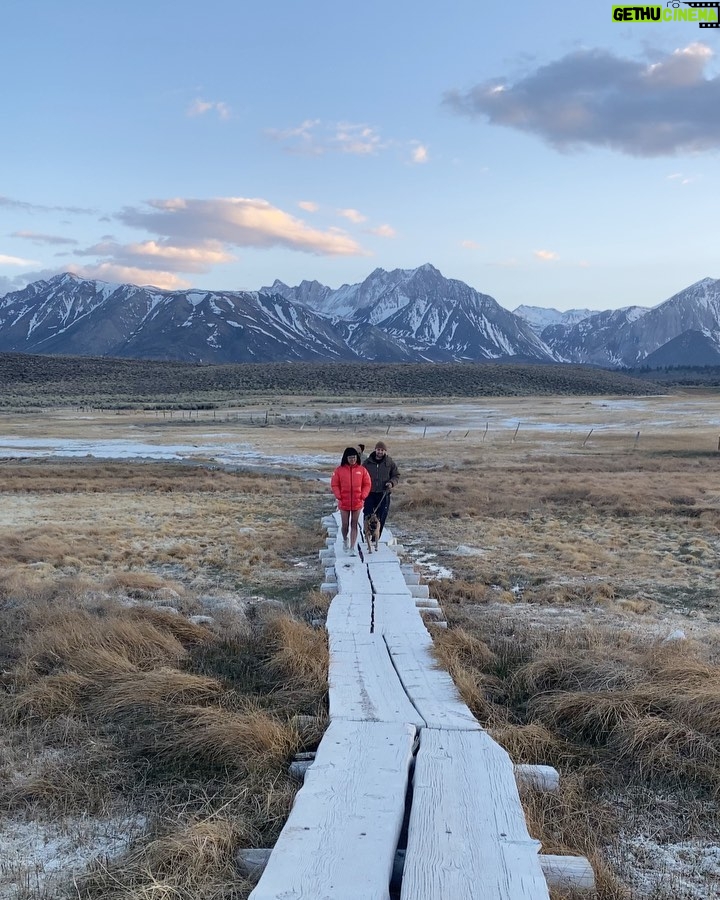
[[463, 550], [36, 854], [226, 454], [426, 565], [684, 870]]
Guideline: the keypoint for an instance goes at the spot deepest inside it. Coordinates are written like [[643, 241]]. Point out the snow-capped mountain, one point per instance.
[[397, 316], [392, 316], [594, 340], [437, 318], [626, 337], [538, 318], [348, 298], [67, 315]]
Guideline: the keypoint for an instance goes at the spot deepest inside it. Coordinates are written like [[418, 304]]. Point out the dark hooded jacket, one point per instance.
[[381, 471]]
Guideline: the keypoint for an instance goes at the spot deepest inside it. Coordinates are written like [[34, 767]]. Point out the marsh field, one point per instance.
[[162, 650]]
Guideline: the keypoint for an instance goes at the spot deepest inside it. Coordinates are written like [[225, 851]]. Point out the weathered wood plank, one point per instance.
[[364, 686], [385, 574], [467, 836], [431, 689], [397, 614], [387, 537], [340, 839], [350, 612], [351, 574]]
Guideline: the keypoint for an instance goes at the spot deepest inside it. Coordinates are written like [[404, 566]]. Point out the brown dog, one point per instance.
[[371, 526]]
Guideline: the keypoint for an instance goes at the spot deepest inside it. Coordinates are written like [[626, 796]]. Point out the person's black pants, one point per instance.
[[378, 503]]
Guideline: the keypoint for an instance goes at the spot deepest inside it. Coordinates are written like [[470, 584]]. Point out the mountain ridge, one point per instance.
[[404, 315]]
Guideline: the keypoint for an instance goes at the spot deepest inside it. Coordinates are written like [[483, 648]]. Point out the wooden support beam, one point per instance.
[[568, 872], [541, 778], [561, 872]]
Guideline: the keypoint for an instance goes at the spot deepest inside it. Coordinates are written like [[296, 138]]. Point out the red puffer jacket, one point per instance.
[[351, 485]]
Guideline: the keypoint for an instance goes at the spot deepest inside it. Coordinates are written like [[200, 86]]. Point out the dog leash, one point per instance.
[[374, 512]]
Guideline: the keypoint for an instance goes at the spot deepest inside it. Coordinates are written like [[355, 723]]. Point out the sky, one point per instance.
[[542, 153]]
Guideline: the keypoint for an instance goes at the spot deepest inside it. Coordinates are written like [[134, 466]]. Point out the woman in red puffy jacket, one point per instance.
[[351, 484]]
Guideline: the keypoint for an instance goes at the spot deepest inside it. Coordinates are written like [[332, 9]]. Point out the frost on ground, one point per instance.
[[686, 870], [38, 858]]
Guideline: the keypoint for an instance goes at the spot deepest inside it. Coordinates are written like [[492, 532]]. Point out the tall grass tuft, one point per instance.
[[298, 653]]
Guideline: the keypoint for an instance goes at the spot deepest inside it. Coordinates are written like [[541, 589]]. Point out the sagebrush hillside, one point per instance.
[[29, 380]]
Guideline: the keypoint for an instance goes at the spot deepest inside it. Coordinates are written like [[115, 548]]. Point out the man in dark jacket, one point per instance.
[[384, 476]]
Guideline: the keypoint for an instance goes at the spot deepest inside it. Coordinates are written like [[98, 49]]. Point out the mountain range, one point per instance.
[[405, 315]]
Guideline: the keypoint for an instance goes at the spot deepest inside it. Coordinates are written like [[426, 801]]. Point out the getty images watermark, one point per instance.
[[707, 15]]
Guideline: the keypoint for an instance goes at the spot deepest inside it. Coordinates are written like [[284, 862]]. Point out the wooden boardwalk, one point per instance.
[[403, 757]]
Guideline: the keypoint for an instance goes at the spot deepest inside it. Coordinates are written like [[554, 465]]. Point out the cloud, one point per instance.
[[18, 282], [192, 236], [353, 215], [16, 261], [107, 271], [308, 206], [11, 203], [153, 254], [316, 138], [420, 153], [546, 255], [470, 245], [200, 107], [301, 139], [593, 98], [358, 139], [38, 238], [679, 178], [239, 222], [385, 231]]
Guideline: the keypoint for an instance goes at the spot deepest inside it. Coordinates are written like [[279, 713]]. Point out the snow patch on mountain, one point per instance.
[[538, 318]]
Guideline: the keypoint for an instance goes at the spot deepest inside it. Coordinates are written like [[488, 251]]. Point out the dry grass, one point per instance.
[[611, 709], [298, 653], [58, 633], [111, 693], [194, 860], [196, 724], [581, 529], [149, 530], [115, 706]]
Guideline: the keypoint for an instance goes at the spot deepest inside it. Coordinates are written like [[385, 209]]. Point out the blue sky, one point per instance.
[[542, 153]]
